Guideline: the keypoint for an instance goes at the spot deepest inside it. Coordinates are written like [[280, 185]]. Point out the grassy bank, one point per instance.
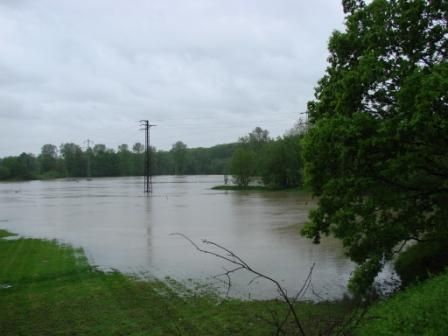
[[50, 289], [419, 310]]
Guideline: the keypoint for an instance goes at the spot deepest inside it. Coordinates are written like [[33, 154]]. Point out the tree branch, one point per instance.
[[231, 257]]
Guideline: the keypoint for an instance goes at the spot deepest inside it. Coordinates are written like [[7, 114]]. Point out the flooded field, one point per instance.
[[120, 227]]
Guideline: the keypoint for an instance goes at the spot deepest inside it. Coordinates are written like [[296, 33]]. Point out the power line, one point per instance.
[[147, 168], [89, 171]]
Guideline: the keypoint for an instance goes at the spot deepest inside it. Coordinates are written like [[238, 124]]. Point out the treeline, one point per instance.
[[277, 161], [70, 160]]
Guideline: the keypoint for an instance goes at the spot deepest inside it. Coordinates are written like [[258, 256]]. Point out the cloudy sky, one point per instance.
[[205, 71]]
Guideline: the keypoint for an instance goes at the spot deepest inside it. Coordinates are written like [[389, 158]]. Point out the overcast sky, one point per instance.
[[205, 71]]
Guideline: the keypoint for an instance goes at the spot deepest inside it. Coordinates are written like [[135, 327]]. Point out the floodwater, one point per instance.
[[120, 227]]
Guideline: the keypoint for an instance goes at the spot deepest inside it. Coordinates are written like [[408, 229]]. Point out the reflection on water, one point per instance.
[[122, 228]]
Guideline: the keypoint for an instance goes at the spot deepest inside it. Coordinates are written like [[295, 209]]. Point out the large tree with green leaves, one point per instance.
[[242, 166], [74, 160], [376, 151], [48, 157], [281, 163]]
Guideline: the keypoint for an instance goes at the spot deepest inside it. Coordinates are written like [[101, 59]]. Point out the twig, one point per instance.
[[306, 284], [229, 279], [274, 322], [253, 279], [353, 320], [236, 260]]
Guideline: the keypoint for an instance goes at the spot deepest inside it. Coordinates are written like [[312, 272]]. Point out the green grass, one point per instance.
[[4, 234], [419, 310], [50, 289]]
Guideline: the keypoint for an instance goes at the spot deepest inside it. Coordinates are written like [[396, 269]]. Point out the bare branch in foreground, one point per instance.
[[229, 279], [240, 264]]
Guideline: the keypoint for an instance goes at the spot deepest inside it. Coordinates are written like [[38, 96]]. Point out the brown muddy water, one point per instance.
[[120, 227]]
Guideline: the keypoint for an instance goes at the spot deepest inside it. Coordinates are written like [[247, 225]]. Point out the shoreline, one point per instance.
[[227, 187], [53, 284]]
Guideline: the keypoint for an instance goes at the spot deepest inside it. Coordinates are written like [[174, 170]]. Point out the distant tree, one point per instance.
[[123, 148], [22, 167], [138, 148], [282, 165], [4, 170], [105, 162], [99, 148], [125, 160], [164, 164], [198, 161], [377, 149], [179, 152], [153, 158], [50, 151], [256, 139], [255, 142], [28, 165], [48, 158], [74, 160], [218, 158], [242, 166], [8, 167]]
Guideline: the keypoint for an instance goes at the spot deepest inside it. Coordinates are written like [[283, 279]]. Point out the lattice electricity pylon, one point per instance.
[[146, 126]]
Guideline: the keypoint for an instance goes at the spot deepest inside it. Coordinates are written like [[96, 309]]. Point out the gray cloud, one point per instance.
[[206, 72]]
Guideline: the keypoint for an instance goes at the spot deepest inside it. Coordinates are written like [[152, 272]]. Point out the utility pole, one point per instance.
[[303, 124], [89, 172], [146, 126]]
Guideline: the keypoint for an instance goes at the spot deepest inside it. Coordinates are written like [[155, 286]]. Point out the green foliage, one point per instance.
[[4, 233], [420, 310], [256, 142], [179, 153], [4, 172], [74, 160], [105, 162], [255, 139], [48, 158], [220, 156], [376, 152], [259, 155], [363, 277], [282, 166], [277, 161], [138, 148], [243, 166], [423, 259], [23, 167]]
